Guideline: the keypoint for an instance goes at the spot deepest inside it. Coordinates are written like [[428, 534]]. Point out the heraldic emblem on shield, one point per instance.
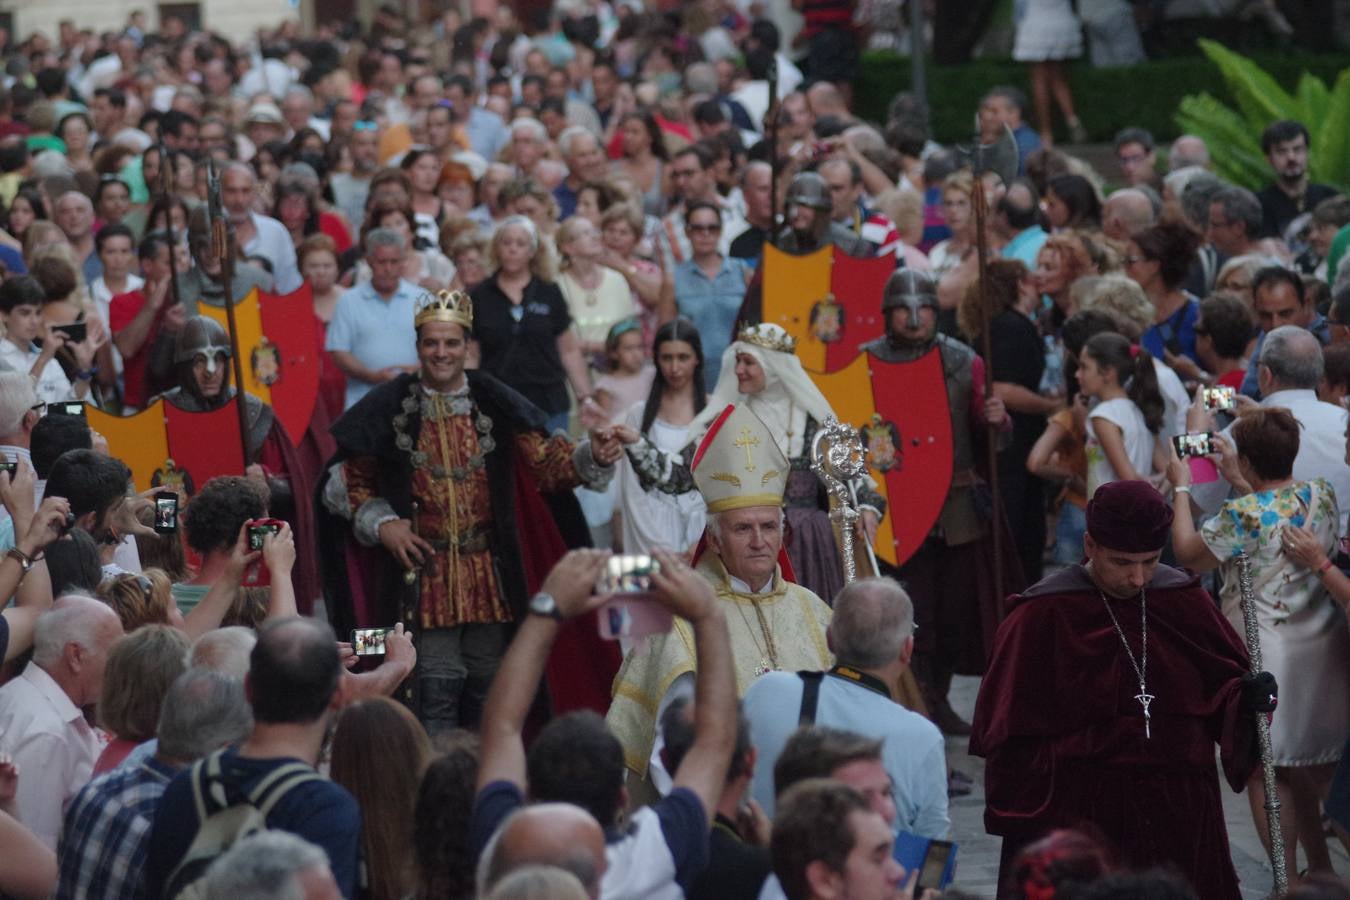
[[831, 303]]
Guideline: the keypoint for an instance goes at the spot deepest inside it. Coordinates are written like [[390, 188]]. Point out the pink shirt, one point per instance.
[[52, 744]]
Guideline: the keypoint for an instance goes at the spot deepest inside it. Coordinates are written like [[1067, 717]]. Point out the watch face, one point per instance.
[[543, 605]]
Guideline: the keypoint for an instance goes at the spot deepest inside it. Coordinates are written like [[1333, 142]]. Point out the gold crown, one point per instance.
[[455, 307], [768, 336]]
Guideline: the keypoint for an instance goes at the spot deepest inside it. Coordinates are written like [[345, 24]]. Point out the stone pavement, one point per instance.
[[977, 860]]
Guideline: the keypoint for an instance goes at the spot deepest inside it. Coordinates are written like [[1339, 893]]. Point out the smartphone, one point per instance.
[[166, 512], [259, 529], [256, 575], [75, 332], [627, 574], [1194, 444], [1217, 398], [70, 408], [9, 465], [369, 641], [934, 867]]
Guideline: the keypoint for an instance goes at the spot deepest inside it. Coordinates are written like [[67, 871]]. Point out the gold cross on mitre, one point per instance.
[[738, 464], [747, 441]]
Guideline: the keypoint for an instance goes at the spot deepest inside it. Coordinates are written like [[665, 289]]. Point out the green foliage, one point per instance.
[[1147, 95], [1234, 135]]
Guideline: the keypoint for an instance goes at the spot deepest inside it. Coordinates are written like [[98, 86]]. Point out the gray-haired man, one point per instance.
[[371, 336]]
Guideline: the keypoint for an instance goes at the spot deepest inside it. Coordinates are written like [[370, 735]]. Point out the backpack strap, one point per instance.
[[810, 697], [270, 791]]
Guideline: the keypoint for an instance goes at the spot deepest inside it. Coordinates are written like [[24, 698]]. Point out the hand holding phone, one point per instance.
[[257, 574], [166, 512], [369, 641], [1194, 444], [633, 611], [1219, 397]]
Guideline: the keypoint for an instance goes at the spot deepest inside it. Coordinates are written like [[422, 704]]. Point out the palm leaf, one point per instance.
[[1259, 96], [1330, 152], [1313, 98], [1235, 153]]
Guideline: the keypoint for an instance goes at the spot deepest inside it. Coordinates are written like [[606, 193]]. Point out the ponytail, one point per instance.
[[1134, 369], [1144, 391]]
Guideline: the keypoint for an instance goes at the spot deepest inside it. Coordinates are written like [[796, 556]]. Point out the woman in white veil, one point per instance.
[[760, 371]]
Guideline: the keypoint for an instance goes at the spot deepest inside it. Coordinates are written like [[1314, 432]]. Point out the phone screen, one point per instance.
[[72, 408], [1193, 444], [369, 641], [1219, 397], [166, 512], [627, 574]]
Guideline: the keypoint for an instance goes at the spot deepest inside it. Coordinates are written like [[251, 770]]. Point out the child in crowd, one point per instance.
[[1122, 428]]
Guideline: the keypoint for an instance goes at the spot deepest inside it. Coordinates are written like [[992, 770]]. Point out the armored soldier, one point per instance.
[[951, 577]]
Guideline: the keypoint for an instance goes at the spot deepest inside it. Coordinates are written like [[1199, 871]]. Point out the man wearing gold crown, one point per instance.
[[761, 371], [439, 475], [774, 624]]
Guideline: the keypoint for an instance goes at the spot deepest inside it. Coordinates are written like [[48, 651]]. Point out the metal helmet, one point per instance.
[[809, 189], [201, 336], [911, 289]]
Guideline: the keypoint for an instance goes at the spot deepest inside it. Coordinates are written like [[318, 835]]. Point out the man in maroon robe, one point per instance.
[[1109, 686]]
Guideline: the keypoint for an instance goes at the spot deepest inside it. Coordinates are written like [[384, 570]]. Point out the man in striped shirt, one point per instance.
[[849, 209]]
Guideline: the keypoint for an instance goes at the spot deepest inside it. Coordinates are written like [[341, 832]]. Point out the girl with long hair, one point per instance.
[[379, 753], [656, 519], [644, 160], [1122, 428]]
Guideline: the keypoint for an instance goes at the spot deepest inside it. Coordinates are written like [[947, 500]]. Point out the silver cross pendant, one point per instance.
[[1145, 698]]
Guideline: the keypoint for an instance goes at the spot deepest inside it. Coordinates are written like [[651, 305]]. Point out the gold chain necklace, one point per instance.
[[768, 660]]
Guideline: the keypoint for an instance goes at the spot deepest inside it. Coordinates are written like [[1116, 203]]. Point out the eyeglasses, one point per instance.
[[40, 408], [364, 125], [1132, 160], [703, 229]]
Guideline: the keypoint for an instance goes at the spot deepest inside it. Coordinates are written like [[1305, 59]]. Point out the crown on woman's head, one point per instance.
[[769, 336], [444, 306]]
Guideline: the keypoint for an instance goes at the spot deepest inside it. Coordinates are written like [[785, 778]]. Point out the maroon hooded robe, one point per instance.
[[1063, 735]]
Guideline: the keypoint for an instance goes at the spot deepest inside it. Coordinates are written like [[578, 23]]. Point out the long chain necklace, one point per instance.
[[768, 660], [1141, 664]]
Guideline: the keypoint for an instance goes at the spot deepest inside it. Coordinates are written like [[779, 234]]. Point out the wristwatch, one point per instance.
[[542, 604], [26, 562]]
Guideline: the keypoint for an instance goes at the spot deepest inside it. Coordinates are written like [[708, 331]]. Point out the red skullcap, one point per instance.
[[1129, 516]]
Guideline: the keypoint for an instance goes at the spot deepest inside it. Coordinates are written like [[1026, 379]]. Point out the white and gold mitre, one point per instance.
[[738, 464], [454, 307]]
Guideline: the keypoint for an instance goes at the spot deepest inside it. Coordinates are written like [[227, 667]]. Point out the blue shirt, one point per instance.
[[712, 304], [105, 834], [912, 749], [1026, 246], [321, 812], [1179, 329], [486, 131], [378, 332], [567, 200], [1027, 141], [1320, 328]]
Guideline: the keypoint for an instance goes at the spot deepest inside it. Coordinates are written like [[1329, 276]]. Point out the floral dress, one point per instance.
[[1304, 641]]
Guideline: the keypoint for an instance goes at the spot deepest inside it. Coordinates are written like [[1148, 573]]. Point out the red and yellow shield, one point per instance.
[[165, 445], [901, 413], [829, 301], [279, 353]]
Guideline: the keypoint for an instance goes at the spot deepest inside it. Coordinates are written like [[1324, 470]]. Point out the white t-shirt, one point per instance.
[[1174, 399], [1122, 413]]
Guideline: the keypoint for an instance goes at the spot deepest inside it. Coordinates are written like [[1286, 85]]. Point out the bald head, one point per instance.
[[71, 643], [1187, 150], [1126, 212], [826, 100], [548, 834], [872, 625]]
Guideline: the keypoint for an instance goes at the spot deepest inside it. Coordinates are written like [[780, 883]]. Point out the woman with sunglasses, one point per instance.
[[708, 288]]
